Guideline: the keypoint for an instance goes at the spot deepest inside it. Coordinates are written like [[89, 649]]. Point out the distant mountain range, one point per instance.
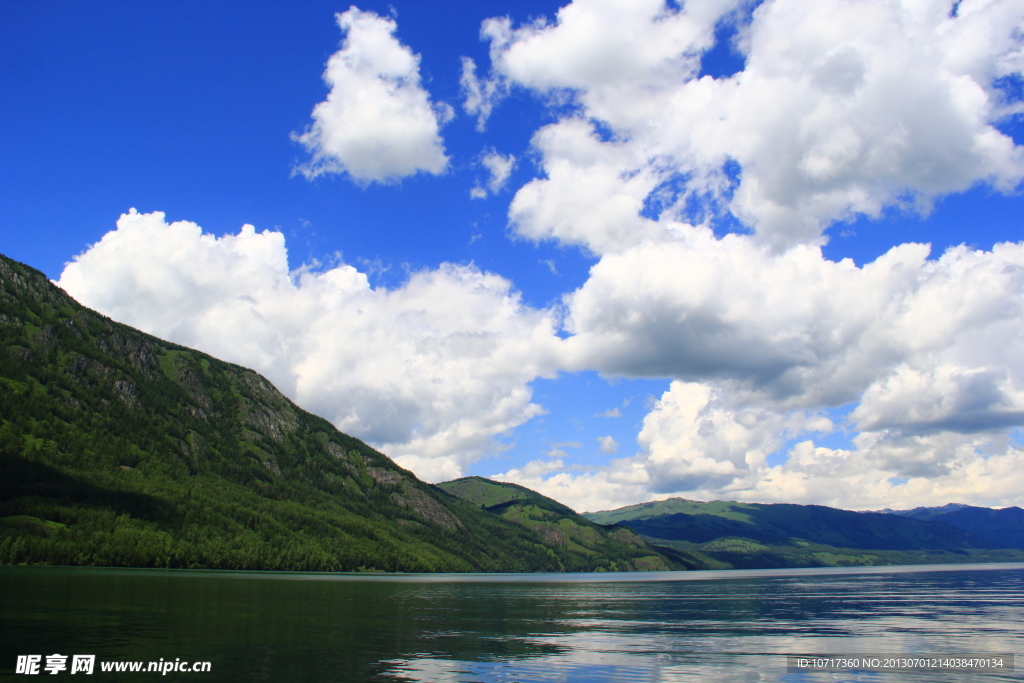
[[121, 449], [999, 528], [727, 534]]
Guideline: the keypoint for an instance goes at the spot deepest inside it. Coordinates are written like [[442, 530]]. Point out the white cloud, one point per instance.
[[480, 97], [377, 123], [557, 450], [796, 327], [536, 468], [430, 372], [608, 444], [761, 342], [693, 442], [943, 397], [603, 49], [842, 108], [938, 469], [696, 445], [801, 331], [433, 370], [609, 488], [499, 169], [862, 104], [592, 194], [611, 412]]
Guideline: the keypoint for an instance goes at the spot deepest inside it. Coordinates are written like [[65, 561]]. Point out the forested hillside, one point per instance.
[[582, 544], [120, 449], [1002, 528]]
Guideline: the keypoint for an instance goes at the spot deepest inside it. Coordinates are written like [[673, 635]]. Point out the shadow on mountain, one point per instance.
[[22, 479]]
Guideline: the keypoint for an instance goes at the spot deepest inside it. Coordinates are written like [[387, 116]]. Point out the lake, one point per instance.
[[666, 626]]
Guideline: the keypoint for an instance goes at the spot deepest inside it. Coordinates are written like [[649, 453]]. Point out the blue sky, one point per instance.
[[658, 267]]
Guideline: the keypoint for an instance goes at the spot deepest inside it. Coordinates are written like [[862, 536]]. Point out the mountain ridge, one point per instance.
[[560, 525], [725, 534], [118, 448], [992, 525]]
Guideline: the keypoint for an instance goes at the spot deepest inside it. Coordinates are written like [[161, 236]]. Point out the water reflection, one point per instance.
[[319, 628]]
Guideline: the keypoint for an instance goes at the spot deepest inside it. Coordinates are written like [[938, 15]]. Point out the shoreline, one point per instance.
[[539, 577]]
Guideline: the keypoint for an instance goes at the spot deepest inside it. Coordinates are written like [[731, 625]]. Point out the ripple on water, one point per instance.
[[724, 627]]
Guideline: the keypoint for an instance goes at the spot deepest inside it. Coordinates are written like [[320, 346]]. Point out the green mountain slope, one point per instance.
[[581, 545], [118, 448], [724, 534], [490, 494], [726, 509]]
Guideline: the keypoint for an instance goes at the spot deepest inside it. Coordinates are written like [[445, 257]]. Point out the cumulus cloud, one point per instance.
[[841, 108], [608, 444], [604, 48], [760, 342], [430, 372], [615, 486], [377, 123], [698, 444], [872, 104], [900, 473], [592, 195], [795, 327]]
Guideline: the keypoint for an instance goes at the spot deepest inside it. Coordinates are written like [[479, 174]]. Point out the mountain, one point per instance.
[[722, 534], [581, 543], [1002, 528], [922, 512], [121, 449]]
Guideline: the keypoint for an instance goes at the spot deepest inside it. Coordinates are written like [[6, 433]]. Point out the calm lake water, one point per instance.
[[679, 626]]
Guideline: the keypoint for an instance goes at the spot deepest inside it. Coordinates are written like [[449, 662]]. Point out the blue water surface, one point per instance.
[[651, 627]]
